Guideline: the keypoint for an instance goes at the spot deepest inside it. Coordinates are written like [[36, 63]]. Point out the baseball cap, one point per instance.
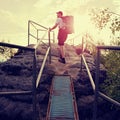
[[59, 12]]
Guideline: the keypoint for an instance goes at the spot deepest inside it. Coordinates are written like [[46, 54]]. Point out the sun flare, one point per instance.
[[83, 25], [14, 18]]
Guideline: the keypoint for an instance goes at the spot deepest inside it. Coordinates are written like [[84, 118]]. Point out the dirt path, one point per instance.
[[65, 69]]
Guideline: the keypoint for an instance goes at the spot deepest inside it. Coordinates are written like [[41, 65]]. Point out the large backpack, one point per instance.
[[69, 21]]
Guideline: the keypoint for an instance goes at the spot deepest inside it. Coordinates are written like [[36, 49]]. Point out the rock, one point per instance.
[[17, 74], [11, 69]]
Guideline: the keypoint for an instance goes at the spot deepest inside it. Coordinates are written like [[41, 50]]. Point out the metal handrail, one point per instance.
[[41, 28], [38, 24], [98, 64], [96, 84], [15, 93], [88, 71], [48, 52], [44, 29], [42, 67], [16, 46], [3, 93], [109, 99], [36, 80], [41, 40], [108, 47]]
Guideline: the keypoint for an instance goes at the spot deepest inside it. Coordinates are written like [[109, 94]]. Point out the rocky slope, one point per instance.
[[16, 75]]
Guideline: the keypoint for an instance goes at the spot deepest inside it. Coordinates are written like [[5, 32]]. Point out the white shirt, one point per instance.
[[60, 23]]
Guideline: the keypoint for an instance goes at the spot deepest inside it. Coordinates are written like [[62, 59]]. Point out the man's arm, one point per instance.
[[53, 27]]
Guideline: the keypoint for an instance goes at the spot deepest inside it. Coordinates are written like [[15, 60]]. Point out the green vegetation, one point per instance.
[[111, 86], [6, 53], [100, 17], [110, 58]]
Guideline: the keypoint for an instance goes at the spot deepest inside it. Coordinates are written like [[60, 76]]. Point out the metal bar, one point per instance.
[[53, 37], [46, 39], [33, 36], [33, 25], [28, 32], [97, 62], [74, 101], [41, 39], [82, 44], [34, 88], [96, 86], [49, 46], [44, 43], [16, 46], [15, 93], [81, 64], [42, 67], [81, 54], [109, 99], [38, 40], [41, 29], [101, 94], [109, 47], [89, 74], [39, 25]]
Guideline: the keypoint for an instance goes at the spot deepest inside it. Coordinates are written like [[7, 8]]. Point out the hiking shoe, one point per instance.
[[62, 60]]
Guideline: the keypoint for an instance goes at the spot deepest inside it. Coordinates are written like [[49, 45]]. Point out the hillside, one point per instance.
[[16, 74]]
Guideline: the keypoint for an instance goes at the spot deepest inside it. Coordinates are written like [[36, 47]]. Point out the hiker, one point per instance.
[[62, 35]]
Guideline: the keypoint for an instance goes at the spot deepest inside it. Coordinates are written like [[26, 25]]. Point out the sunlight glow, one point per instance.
[[83, 25], [14, 18]]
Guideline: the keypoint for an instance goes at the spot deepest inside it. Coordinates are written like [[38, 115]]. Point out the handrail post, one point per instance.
[[96, 83], [34, 88], [82, 43], [49, 46], [81, 54], [28, 32], [81, 64], [53, 37]]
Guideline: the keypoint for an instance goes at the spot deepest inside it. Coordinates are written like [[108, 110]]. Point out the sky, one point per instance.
[[14, 16]]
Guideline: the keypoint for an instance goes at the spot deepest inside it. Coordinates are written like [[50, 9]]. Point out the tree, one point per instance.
[[104, 18], [115, 25], [100, 17], [112, 83], [7, 52]]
